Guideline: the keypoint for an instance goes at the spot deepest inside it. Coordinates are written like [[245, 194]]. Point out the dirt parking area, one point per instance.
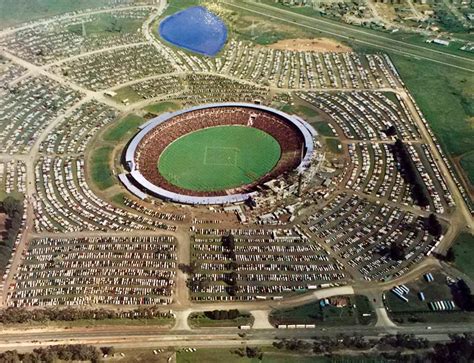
[[316, 45]]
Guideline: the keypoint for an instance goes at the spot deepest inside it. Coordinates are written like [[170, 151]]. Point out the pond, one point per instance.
[[195, 29]]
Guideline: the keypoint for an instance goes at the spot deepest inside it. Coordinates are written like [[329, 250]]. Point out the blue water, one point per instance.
[[195, 29]]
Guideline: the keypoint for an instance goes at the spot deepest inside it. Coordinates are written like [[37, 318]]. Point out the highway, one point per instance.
[[355, 34]]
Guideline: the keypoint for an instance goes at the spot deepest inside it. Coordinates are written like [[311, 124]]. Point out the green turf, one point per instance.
[[161, 107], [128, 124], [333, 145], [464, 252], [100, 170], [219, 158], [200, 320], [467, 163], [323, 129]]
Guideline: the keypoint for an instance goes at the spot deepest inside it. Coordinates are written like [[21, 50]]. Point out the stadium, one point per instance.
[[215, 153]]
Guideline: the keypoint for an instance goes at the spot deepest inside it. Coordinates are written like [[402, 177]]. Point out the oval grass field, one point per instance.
[[219, 158]]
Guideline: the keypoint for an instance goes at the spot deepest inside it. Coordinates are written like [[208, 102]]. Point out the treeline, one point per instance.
[[463, 295], [14, 315], [399, 348], [51, 354], [410, 174], [13, 208], [224, 314], [228, 242]]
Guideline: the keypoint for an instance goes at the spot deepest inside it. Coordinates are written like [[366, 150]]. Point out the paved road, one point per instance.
[[356, 34]]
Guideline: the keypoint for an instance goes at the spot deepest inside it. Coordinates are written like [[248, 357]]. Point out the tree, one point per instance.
[[228, 242], [108, 350], [450, 256], [433, 226], [391, 131], [12, 205], [397, 251]]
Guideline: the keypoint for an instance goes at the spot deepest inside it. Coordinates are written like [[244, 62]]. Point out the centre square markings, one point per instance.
[[220, 155]]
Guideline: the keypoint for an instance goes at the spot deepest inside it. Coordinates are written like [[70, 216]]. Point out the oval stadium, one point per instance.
[[216, 153]]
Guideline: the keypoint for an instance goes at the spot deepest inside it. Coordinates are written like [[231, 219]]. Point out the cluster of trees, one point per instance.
[[410, 174], [433, 226], [13, 208], [250, 352], [397, 251], [68, 353], [223, 314], [407, 341], [329, 344], [14, 315], [459, 349], [325, 344], [463, 295]]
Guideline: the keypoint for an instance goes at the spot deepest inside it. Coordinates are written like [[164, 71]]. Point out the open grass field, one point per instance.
[[158, 108], [445, 96], [13, 12], [334, 145], [126, 126], [100, 167], [219, 158], [323, 129], [200, 320], [87, 323], [270, 355], [107, 24], [313, 313], [467, 163], [464, 252]]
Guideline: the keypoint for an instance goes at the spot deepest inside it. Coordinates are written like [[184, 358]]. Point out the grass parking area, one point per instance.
[[354, 313], [416, 310], [204, 319], [101, 173], [464, 252], [126, 126]]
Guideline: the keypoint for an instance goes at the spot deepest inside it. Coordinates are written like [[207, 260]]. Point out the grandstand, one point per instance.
[[294, 136]]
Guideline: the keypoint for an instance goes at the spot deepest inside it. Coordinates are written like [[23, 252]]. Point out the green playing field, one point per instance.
[[219, 158]]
